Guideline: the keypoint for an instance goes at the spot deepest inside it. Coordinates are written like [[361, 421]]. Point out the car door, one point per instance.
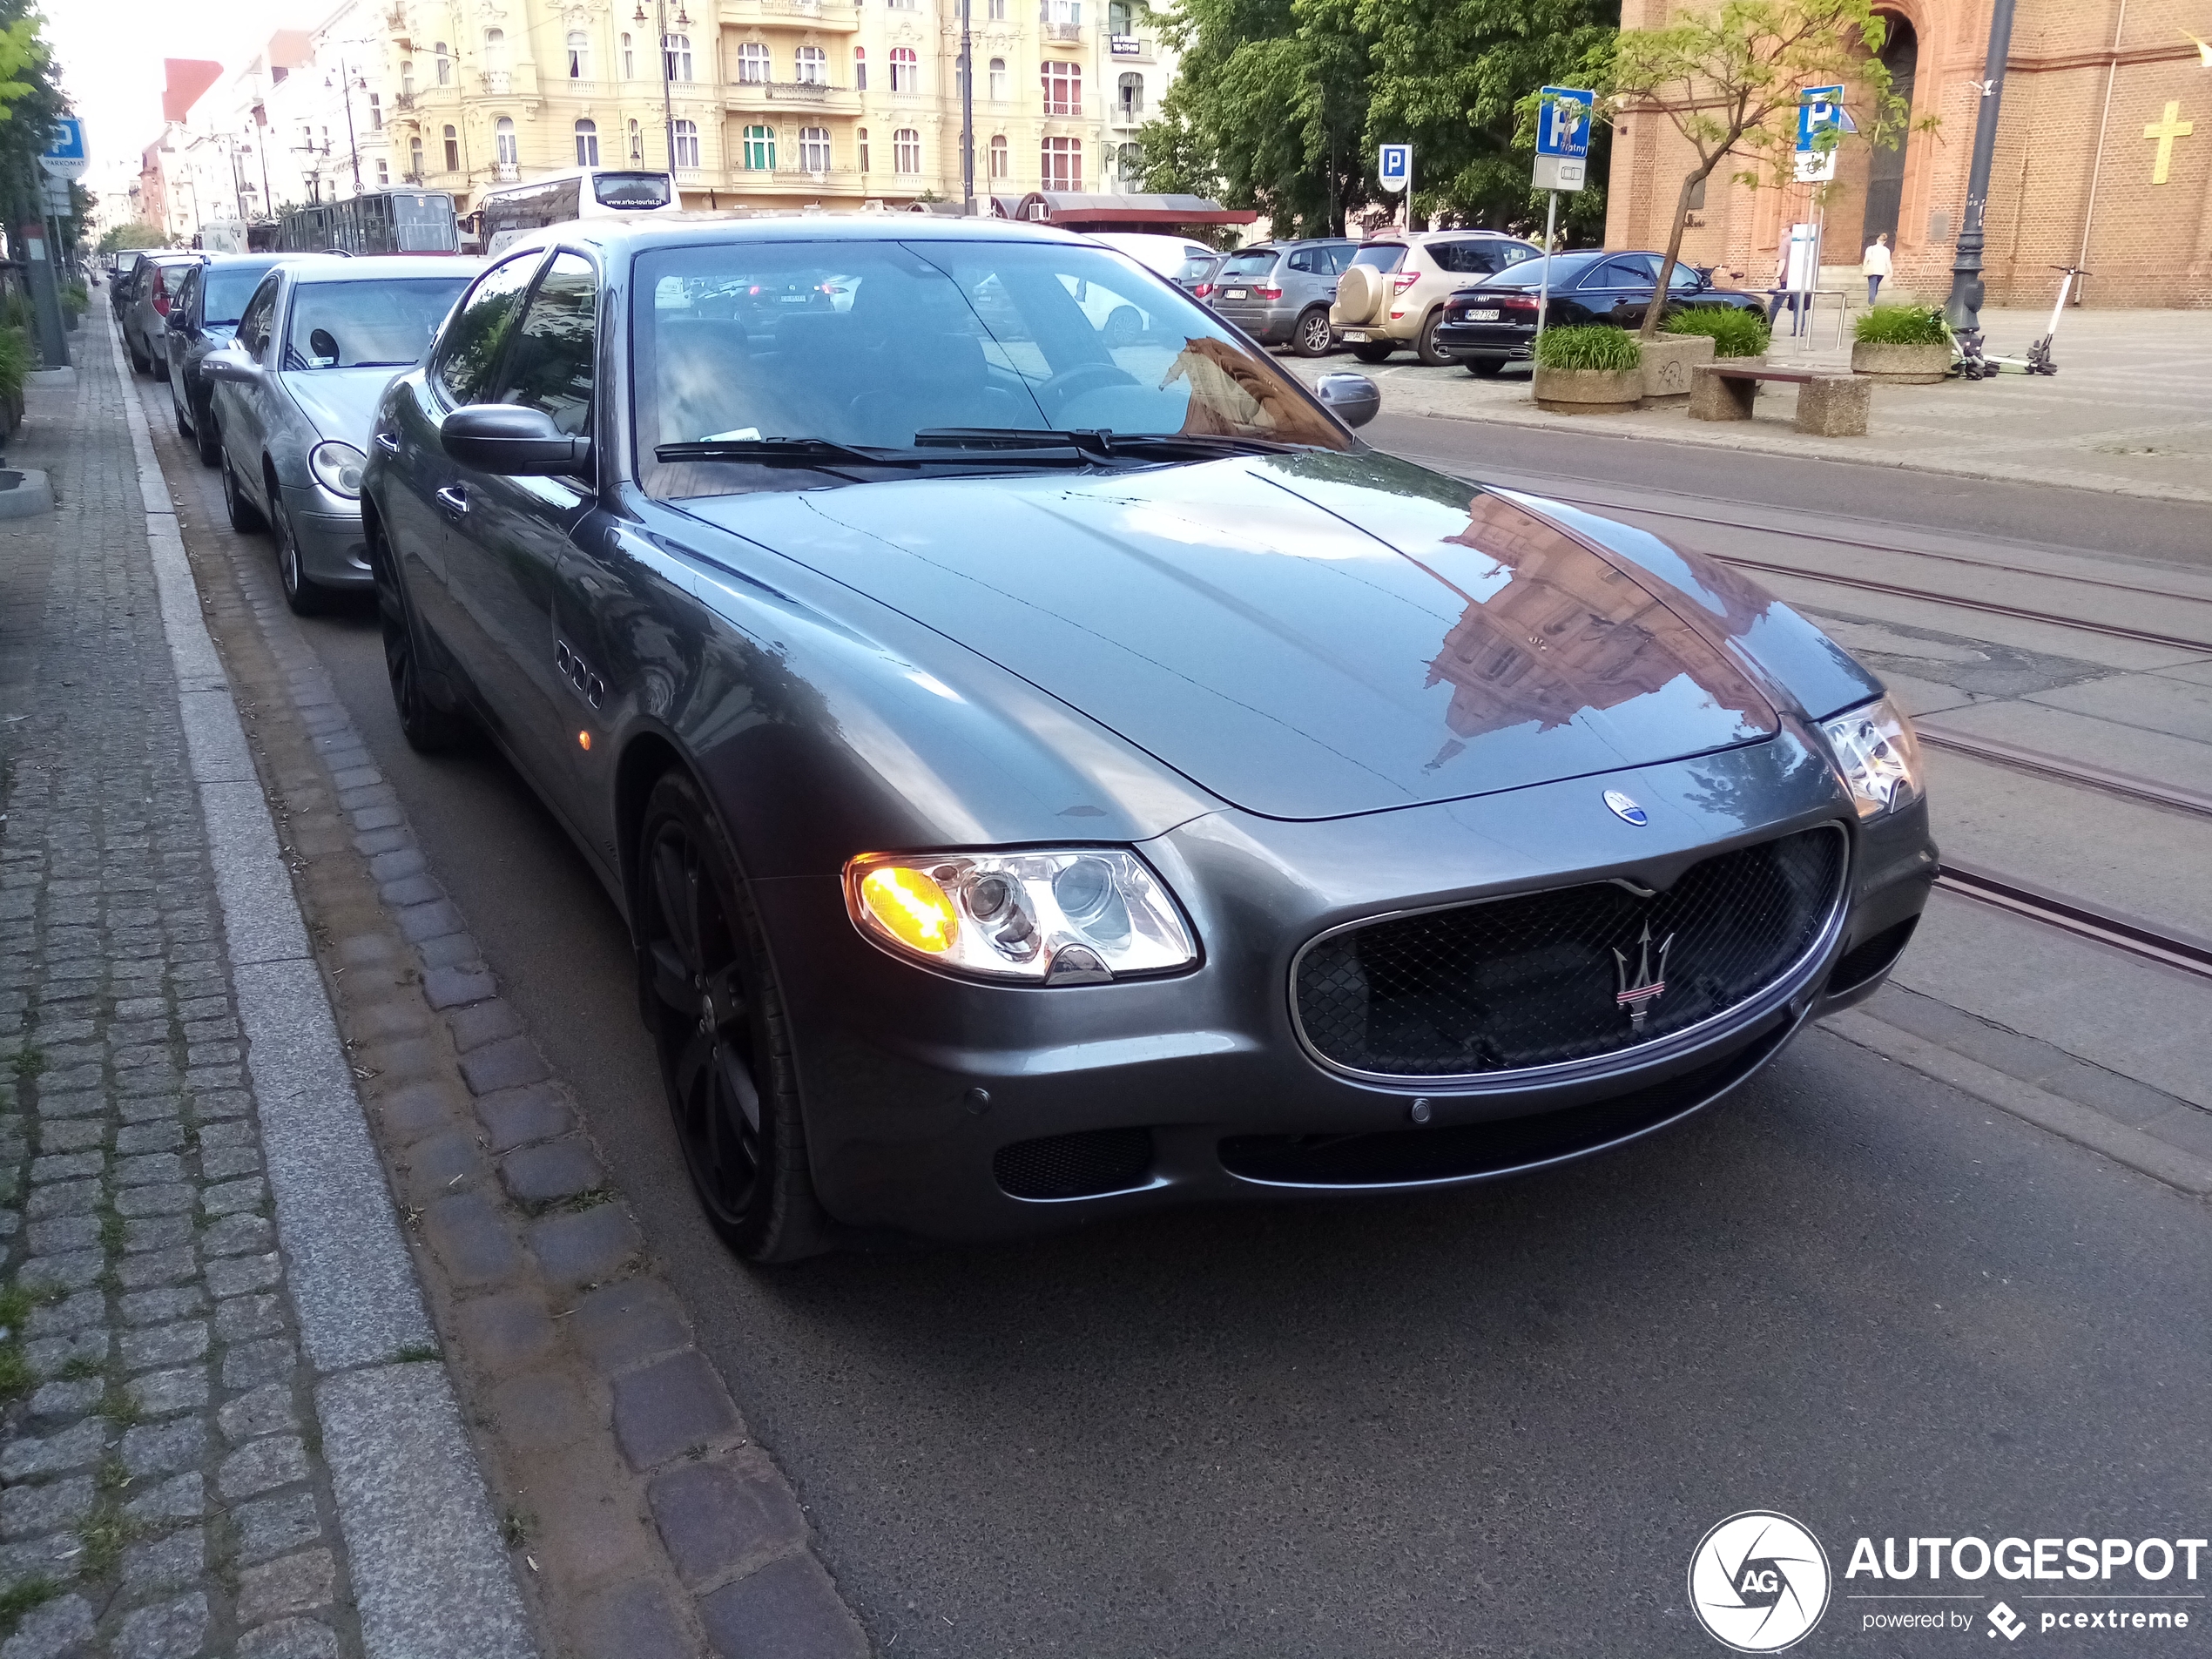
[[184, 329], [237, 404], [425, 501], [1629, 280], [507, 541]]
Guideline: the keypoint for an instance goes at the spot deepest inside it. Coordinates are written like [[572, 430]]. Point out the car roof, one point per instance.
[[225, 261], [626, 238], [382, 268]]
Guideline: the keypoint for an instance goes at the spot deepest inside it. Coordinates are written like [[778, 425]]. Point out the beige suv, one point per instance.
[[1393, 292]]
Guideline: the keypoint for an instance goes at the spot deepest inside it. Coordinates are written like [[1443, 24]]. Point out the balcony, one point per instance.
[[1062, 34], [794, 14], [792, 97], [1125, 115]]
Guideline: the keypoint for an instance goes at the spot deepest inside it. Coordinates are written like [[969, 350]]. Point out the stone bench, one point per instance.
[[1828, 406]]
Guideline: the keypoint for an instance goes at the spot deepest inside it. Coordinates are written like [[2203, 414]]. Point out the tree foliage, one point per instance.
[[1280, 105], [1728, 77], [137, 234]]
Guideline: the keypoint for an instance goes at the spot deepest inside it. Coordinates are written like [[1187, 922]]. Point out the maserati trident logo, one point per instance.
[[1649, 983], [1625, 808]]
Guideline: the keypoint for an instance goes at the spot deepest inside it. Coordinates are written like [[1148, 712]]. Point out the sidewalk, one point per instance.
[[2129, 412], [226, 1426]]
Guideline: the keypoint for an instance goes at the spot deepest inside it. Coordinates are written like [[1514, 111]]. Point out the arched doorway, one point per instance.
[[1900, 55]]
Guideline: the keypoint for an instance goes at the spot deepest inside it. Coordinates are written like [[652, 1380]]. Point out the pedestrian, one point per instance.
[[1875, 263], [1782, 295]]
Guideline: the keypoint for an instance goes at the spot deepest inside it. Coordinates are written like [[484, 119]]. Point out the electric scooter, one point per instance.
[[2039, 355], [1968, 361]]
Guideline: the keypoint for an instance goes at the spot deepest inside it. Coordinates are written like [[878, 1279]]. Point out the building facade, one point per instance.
[[770, 103], [2104, 160]]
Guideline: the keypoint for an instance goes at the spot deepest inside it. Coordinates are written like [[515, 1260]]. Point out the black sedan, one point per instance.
[[1489, 327], [1051, 772]]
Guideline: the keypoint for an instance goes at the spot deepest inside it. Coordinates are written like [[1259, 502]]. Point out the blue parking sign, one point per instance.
[[1394, 165], [1563, 122], [68, 141]]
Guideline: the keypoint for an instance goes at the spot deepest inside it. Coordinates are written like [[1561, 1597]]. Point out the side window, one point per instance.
[[260, 310], [187, 308], [550, 367], [470, 348], [1340, 257], [1306, 260], [1628, 272]]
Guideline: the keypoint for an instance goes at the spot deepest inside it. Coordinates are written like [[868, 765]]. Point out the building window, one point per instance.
[[383, 174], [375, 111], [406, 77], [445, 64], [687, 144], [504, 148], [859, 69], [995, 9], [813, 150], [1062, 11], [760, 150], [637, 142], [1002, 157], [1117, 17], [1128, 162], [579, 47], [1063, 87], [905, 70], [861, 137], [752, 63], [587, 143], [415, 160], [453, 150], [1129, 97], [1063, 163], [495, 52], [676, 57], [811, 65], [905, 150], [629, 59], [995, 82], [900, 5]]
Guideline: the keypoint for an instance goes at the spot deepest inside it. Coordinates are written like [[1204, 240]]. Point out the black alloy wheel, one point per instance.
[[1425, 348], [1375, 351], [428, 727], [1485, 368], [719, 1023], [1310, 337], [301, 594], [245, 517]]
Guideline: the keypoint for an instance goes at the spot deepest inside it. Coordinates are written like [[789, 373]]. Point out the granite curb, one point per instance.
[[352, 1282]]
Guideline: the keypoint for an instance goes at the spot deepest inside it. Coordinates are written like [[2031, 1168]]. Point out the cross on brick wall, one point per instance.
[[2165, 130]]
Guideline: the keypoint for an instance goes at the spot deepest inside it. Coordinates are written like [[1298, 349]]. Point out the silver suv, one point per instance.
[[1280, 292], [1399, 299]]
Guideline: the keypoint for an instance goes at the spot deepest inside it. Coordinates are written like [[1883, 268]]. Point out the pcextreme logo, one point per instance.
[[1758, 1581]]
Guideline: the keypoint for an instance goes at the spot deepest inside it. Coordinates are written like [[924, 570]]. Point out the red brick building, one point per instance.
[[2105, 141]]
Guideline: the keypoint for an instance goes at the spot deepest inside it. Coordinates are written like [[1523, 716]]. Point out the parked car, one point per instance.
[[126, 271], [295, 393], [1200, 278], [1489, 327], [1400, 303], [1173, 257], [1279, 293], [145, 316], [1047, 780], [203, 318]]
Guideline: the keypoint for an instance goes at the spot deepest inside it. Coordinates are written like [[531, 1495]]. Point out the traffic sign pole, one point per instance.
[[1562, 151], [1544, 282]]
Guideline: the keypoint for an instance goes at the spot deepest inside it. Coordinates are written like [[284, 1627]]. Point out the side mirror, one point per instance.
[[508, 439], [1353, 399], [231, 364]]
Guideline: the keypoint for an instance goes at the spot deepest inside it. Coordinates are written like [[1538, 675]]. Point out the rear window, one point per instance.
[[631, 190], [1381, 256], [1247, 267], [1195, 267], [1529, 274]]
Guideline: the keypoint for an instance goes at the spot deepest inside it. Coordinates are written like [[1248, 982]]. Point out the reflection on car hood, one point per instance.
[[1306, 636], [340, 401]]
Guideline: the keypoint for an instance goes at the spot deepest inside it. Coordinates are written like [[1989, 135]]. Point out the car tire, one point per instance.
[[1375, 351], [208, 440], [429, 726], [1487, 368], [709, 991], [1425, 346], [245, 517], [177, 411], [138, 361], [305, 597], [1310, 335]]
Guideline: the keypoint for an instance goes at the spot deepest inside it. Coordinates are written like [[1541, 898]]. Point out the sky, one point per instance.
[[111, 53]]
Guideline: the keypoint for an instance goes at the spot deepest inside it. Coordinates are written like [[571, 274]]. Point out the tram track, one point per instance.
[[2020, 897]]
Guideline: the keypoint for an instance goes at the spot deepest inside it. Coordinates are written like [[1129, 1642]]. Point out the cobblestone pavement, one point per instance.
[[163, 1495]]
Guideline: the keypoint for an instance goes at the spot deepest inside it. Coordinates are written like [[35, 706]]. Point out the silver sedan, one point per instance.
[[296, 391]]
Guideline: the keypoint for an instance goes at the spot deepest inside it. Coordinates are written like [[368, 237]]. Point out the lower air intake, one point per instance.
[[1076, 1166]]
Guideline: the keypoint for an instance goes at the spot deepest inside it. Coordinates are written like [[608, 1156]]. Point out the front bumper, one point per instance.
[[915, 1082], [333, 546]]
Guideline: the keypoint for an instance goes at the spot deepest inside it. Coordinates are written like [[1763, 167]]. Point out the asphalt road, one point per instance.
[[1491, 1422]]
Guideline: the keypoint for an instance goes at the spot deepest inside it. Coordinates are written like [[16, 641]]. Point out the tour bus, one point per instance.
[[506, 212]]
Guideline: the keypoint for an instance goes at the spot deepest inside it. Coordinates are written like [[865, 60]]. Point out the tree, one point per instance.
[[137, 234], [1729, 77]]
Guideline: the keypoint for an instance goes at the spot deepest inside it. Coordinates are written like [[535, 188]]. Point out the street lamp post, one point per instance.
[[1963, 309], [353, 149], [967, 115]]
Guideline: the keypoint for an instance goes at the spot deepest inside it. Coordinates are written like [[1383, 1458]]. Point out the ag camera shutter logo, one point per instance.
[[1758, 1581]]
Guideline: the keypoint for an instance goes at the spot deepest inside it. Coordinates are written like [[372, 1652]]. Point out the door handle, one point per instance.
[[388, 443], [455, 499]]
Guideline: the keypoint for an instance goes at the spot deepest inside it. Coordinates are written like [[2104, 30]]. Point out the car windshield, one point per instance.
[[1381, 256], [967, 347], [1529, 274], [224, 291], [368, 322]]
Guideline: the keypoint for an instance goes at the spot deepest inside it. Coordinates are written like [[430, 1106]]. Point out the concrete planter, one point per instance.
[[1901, 365], [1668, 361], [1588, 391]]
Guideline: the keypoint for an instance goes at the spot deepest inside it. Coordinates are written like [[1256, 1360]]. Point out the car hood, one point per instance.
[[1305, 636], [340, 401]]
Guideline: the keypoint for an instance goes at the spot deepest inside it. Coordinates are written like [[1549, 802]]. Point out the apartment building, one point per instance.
[[787, 104]]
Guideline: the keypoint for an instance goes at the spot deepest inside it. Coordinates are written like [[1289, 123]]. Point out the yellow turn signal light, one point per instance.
[[911, 907]]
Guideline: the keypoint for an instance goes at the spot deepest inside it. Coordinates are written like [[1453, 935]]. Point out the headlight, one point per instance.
[[1072, 917], [1879, 756], [337, 468]]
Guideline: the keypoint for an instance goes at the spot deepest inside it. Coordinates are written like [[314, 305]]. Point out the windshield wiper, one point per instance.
[[822, 452], [1104, 441], [1011, 437]]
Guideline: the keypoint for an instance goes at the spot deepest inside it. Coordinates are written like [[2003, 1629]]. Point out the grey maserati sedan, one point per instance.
[[1050, 770]]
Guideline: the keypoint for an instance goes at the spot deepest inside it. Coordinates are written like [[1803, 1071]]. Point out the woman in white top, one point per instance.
[[1875, 262]]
